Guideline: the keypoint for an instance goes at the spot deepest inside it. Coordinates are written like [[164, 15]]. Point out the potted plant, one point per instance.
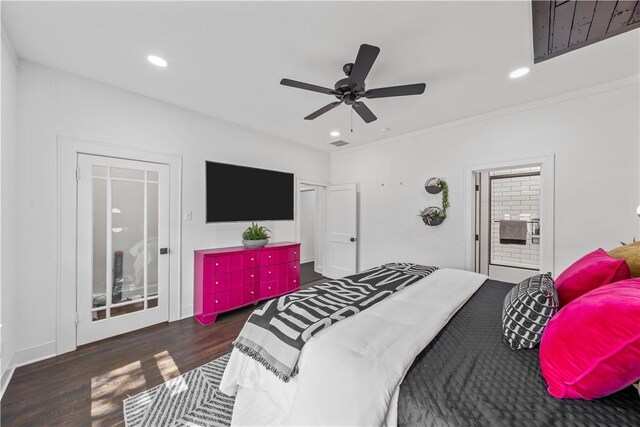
[[432, 215], [255, 236]]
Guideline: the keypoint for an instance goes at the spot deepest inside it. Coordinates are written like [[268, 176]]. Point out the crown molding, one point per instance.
[[533, 105]]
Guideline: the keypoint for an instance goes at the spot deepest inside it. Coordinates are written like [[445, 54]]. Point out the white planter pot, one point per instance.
[[254, 243]]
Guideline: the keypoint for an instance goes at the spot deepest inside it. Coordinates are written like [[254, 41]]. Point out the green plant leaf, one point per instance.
[[256, 232]]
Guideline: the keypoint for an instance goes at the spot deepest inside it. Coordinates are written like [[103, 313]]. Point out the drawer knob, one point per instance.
[[217, 264], [216, 301], [268, 287], [295, 281], [251, 292], [217, 283], [269, 272], [269, 256], [294, 267], [251, 259], [295, 253], [252, 275]]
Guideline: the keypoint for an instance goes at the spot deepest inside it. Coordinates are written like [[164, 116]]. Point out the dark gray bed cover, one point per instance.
[[468, 376]]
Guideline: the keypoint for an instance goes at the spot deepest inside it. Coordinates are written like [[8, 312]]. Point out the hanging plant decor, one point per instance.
[[434, 215], [445, 196], [433, 186]]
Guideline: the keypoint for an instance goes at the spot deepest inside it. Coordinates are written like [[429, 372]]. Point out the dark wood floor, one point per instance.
[[87, 386], [308, 273]]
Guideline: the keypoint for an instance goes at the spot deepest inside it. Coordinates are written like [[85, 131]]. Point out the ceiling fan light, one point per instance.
[[334, 133]]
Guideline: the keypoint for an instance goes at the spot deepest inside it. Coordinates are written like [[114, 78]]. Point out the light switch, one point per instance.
[[188, 215]]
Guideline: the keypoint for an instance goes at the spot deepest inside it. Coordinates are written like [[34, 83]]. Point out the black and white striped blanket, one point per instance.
[[276, 332]]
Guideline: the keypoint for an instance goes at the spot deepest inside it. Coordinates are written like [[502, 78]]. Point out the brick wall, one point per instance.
[[515, 198]]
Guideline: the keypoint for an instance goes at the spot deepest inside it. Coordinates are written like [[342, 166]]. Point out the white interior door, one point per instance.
[[123, 236], [342, 223]]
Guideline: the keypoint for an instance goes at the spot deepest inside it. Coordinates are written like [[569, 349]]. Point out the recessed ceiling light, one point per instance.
[[157, 61], [519, 72], [334, 133], [385, 129]]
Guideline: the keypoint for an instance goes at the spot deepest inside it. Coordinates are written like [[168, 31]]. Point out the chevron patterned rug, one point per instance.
[[192, 399]]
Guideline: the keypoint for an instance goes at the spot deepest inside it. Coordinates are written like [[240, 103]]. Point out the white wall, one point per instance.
[[308, 210], [594, 135], [8, 268], [53, 103]]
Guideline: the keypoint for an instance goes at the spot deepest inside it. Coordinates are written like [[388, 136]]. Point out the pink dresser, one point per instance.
[[228, 278]]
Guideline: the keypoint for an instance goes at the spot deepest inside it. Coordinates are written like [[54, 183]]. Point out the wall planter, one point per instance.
[[434, 215], [433, 186]]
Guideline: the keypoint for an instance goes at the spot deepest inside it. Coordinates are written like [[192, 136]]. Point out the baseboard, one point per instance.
[[305, 260], [6, 377], [186, 311], [29, 355], [24, 357]]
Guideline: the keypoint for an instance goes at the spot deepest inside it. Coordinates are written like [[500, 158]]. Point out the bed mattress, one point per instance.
[[467, 376]]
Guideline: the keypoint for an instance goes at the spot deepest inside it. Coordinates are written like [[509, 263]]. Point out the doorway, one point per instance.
[[123, 235], [512, 218], [335, 232], [311, 206], [309, 233], [509, 216]]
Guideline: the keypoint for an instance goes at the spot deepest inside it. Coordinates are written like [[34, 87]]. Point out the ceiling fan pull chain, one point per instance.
[[351, 120]]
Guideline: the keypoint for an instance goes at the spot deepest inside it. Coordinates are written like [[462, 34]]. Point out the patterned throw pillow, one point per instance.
[[527, 309]]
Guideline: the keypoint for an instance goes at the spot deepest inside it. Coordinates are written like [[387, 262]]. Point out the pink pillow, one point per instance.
[[591, 348], [588, 273]]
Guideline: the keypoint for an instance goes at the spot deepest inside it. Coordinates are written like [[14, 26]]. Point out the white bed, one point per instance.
[[350, 373]]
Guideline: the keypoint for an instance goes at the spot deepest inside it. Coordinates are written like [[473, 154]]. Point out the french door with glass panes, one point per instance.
[[123, 236]]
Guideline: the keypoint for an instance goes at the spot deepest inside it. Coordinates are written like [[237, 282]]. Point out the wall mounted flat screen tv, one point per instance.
[[240, 193]]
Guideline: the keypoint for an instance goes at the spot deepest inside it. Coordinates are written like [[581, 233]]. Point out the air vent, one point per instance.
[[339, 143]]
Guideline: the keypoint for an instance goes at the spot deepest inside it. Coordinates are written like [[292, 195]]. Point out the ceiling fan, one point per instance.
[[350, 89]]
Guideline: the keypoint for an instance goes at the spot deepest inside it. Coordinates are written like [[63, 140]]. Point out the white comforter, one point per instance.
[[350, 373]]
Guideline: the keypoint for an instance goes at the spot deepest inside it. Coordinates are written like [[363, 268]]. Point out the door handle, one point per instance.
[[353, 239], [164, 251]]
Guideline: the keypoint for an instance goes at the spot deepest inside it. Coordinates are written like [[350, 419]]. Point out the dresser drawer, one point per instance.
[[218, 264], [216, 303], [250, 294], [244, 261], [293, 253], [236, 297], [270, 273], [293, 275], [292, 268], [216, 283], [271, 257], [269, 289]]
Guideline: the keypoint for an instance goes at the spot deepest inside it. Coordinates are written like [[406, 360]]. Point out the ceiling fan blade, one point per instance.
[[384, 92], [323, 110], [307, 86], [364, 61], [364, 112]]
